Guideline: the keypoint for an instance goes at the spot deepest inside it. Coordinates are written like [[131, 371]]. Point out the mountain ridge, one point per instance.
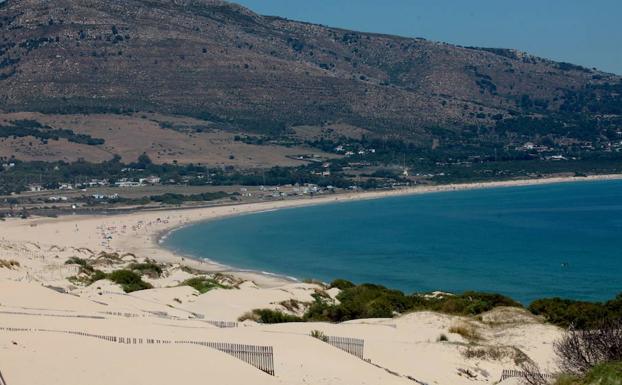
[[224, 63]]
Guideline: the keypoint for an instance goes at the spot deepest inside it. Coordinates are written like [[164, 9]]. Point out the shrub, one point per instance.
[[581, 350], [150, 269], [604, 374], [85, 266], [375, 301], [129, 280], [442, 338], [97, 275], [76, 261], [269, 316], [291, 305], [468, 303], [249, 315], [341, 284], [608, 373], [203, 284], [565, 312]]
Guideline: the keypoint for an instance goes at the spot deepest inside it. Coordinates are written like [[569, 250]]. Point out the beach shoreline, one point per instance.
[[161, 236], [142, 232]]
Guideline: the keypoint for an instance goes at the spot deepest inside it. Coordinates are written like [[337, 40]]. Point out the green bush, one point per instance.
[[269, 316], [468, 303], [97, 275], [203, 285], [604, 374], [129, 280], [580, 314], [341, 284], [76, 261], [362, 301], [375, 301], [150, 269]]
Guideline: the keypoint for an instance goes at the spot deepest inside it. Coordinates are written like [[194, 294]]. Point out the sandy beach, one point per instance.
[[40, 310]]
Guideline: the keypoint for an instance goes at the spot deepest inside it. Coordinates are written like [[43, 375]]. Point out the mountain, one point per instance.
[[223, 63]]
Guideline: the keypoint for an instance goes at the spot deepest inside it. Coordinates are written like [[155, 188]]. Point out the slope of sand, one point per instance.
[[35, 294]]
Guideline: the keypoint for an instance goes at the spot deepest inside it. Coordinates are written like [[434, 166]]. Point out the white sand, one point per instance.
[[405, 346]]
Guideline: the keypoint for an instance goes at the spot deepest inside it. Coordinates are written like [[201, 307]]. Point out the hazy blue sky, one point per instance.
[[586, 32]]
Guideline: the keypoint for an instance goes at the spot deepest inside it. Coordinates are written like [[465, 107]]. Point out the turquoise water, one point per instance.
[[526, 242]]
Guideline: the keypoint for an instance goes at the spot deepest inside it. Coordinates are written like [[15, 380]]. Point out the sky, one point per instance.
[[585, 32]]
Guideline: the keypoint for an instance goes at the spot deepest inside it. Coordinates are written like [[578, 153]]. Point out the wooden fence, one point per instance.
[[353, 346], [219, 324], [508, 373], [52, 315], [261, 357], [222, 324]]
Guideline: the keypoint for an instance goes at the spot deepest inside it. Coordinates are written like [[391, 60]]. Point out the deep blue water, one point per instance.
[[513, 241]]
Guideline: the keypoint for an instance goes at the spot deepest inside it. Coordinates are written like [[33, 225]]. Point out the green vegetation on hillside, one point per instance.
[[23, 128], [129, 279], [580, 314], [376, 301]]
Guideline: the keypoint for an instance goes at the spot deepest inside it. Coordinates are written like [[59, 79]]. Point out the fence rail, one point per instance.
[[353, 346], [261, 357], [508, 373], [222, 324]]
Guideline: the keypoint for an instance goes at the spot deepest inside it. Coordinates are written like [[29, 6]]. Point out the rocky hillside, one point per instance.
[[223, 63]]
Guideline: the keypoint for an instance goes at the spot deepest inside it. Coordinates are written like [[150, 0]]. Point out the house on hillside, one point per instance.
[[34, 187]]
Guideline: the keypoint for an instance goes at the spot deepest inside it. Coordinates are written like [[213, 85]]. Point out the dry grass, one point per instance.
[[130, 136], [292, 305], [9, 264], [467, 331], [319, 335], [495, 353]]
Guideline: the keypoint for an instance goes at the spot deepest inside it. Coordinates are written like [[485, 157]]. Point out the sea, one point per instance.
[[529, 242]]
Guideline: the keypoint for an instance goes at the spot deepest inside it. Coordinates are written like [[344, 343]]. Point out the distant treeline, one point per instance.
[[23, 128], [176, 199]]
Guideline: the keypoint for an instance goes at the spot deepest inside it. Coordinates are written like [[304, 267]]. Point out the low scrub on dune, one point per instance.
[[148, 268], [495, 353], [129, 280], [375, 301], [87, 273], [467, 331], [269, 316], [204, 284]]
